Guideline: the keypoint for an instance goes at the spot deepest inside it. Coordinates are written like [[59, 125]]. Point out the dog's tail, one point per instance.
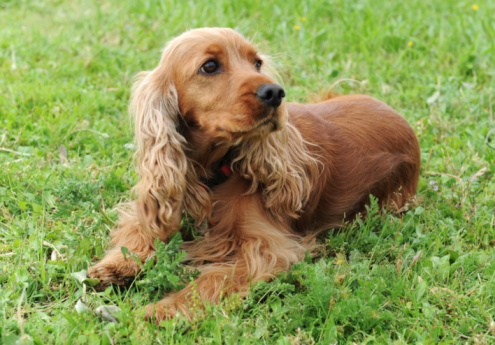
[[323, 96], [331, 93]]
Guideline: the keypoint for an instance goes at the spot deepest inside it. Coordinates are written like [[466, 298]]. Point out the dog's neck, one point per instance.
[[208, 157], [220, 171]]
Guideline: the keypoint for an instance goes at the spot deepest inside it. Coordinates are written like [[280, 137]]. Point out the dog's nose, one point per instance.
[[270, 94]]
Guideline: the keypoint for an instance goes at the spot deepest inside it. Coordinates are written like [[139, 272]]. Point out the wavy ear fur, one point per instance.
[[282, 167], [167, 179]]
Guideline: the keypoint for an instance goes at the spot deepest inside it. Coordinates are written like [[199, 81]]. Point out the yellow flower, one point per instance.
[[297, 27], [303, 19], [475, 7], [410, 43], [340, 262]]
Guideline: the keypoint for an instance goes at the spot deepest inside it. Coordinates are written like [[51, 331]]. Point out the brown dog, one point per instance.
[[217, 140]]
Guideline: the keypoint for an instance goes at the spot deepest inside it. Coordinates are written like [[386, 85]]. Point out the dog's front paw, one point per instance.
[[174, 305], [114, 269], [162, 310]]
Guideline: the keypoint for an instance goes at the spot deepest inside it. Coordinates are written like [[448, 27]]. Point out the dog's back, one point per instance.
[[366, 148]]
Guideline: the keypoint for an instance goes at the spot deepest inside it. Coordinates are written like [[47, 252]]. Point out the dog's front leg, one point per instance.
[[244, 245], [120, 269]]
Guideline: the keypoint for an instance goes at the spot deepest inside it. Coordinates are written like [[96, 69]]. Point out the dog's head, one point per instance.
[[221, 88], [210, 91]]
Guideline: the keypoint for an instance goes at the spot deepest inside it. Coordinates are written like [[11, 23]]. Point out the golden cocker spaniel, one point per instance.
[[216, 140]]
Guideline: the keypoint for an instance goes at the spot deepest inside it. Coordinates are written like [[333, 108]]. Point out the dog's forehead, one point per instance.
[[227, 42], [216, 41], [242, 49]]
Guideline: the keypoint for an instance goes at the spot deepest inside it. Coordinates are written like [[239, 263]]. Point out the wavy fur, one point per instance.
[[296, 169], [281, 166]]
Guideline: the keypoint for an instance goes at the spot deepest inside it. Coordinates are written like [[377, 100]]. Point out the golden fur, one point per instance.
[[296, 170]]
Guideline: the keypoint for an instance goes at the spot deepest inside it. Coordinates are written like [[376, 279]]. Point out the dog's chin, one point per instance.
[[263, 128], [259, 130]]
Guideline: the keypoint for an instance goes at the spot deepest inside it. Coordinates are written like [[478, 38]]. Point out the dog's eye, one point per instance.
[[258, 64], [209, 67]]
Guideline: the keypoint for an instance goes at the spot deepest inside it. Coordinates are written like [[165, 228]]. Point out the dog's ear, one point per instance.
[[167, 179]]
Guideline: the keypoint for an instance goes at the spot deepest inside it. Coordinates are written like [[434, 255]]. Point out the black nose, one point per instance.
[[270, 94]]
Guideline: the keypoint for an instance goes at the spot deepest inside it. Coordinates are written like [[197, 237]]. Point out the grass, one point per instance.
[[425, 277]]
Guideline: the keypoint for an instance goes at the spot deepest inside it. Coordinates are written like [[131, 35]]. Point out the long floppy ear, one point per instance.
[[167, 179], [282, 167]]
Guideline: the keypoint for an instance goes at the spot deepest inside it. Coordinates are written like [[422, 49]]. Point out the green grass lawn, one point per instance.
[[66, 146]]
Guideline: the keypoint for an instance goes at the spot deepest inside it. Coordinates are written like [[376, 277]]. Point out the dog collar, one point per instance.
[[220, 175]]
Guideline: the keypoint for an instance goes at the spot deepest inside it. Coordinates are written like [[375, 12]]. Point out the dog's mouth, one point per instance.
[[262, 129], [265, 126], [271, 121], [265, 121], [246, 129]]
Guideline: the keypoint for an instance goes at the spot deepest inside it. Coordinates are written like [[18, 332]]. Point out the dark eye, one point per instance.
[[209, 67], [258, 64]]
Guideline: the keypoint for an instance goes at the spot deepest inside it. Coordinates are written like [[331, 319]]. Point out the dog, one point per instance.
[[217, 141]]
